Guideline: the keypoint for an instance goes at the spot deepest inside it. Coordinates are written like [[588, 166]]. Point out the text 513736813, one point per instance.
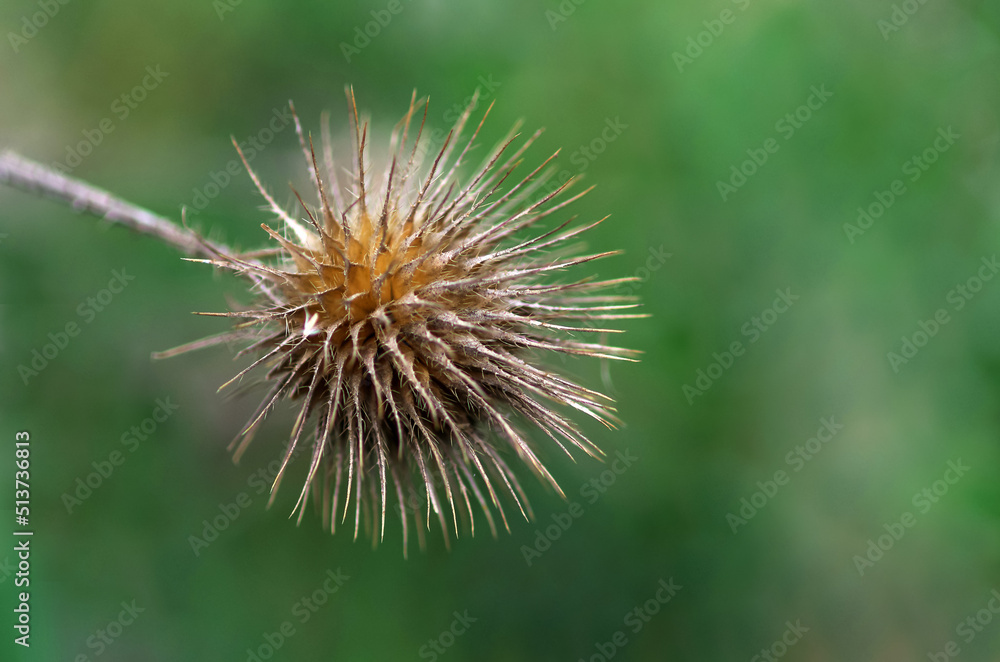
[[22, 545]]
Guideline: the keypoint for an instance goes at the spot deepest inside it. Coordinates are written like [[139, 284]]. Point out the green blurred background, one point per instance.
[[687, 123]]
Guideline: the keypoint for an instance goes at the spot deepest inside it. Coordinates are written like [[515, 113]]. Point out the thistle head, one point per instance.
[[406, 314]]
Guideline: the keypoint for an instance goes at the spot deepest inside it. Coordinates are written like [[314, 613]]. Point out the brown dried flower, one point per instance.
[[407, 318]]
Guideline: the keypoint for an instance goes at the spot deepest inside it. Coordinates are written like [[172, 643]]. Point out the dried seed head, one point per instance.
[[406, 319]]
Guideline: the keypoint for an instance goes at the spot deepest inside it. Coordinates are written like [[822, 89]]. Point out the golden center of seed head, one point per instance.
[[361, 273]]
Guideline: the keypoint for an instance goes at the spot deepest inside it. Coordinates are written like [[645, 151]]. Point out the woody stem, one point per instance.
[[23, 173]]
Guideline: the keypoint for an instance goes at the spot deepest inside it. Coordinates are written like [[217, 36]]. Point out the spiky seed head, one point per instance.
[[407, 319]]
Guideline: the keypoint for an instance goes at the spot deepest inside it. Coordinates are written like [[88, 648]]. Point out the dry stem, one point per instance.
[[20, 172]]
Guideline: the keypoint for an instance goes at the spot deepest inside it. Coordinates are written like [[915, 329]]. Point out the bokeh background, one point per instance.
[[710, 264]]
